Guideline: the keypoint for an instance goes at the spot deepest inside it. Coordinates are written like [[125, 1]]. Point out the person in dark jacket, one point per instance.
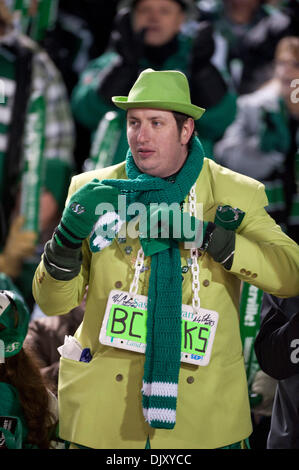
[[277, 350], [149, 35], [263, 140], [37, 164], [246, 34]]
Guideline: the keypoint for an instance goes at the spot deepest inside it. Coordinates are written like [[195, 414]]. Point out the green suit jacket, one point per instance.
[[100, 401]]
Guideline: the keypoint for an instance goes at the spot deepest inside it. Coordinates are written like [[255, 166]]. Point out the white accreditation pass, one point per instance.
[[124, 326]]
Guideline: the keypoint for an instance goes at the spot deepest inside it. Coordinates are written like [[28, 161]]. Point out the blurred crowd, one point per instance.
[[57, 120]]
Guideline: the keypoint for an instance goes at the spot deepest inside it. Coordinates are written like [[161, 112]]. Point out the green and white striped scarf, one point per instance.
[[163, 350]]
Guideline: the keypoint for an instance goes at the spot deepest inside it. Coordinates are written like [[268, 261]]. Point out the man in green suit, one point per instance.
[[175, 291]]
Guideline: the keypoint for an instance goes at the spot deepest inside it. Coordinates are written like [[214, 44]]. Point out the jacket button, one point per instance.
[[254, 275], [190, 379], [248, 273], [206, 283], [118, 284], [243, 271], [119, 377]]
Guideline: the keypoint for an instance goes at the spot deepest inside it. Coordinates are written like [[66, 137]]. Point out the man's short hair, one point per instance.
[[180, 118]]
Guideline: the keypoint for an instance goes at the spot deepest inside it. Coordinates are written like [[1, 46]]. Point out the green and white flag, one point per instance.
[[250, 309], [33, 162], [106, 140], [35, 23]]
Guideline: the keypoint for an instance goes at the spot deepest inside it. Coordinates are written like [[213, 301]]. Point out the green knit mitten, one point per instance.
[[163, 225], [80, 215], [228, 217], [221, 245]]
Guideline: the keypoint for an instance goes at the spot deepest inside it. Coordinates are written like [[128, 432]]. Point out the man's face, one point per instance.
[[162, 20], [286, 70], [157, 147]]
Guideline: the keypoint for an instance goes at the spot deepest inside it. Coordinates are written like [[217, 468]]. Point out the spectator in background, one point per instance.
[[263, 141], [246, 33], [81, 33], [148, 34], [28, 411], [276, 348], [26, 70]]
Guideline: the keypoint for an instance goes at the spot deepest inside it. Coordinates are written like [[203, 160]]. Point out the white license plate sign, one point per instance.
[[124, 326]]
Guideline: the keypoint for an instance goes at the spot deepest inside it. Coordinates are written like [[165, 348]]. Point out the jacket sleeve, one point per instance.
[[264, 255], [277, 340]]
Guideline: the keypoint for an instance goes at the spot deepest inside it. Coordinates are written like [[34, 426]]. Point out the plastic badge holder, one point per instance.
[[124, 326]]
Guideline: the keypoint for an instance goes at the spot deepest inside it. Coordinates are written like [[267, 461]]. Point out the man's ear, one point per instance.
[[187, 130]]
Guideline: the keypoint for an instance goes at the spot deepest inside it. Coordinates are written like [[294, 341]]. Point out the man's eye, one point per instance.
[[156, 123]]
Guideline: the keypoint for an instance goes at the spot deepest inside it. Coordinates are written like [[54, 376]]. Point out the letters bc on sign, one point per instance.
[[124, 326]]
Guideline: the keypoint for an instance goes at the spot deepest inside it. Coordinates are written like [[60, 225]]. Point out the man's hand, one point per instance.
[[265, 386], [127, 42], [20, 244], [162, 224], [80, 214], [120, 77]]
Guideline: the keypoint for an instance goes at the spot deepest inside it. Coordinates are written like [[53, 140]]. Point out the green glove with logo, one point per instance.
[[222, 239], [228, 217], [162, 225], [81, 213]]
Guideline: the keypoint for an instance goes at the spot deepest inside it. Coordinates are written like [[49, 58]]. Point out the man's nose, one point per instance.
[[143, 133]]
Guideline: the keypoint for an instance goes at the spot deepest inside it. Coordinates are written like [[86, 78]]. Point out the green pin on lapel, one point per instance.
[[228, 217]]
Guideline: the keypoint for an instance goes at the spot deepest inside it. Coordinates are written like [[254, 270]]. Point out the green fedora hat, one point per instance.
[[168, 89]]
